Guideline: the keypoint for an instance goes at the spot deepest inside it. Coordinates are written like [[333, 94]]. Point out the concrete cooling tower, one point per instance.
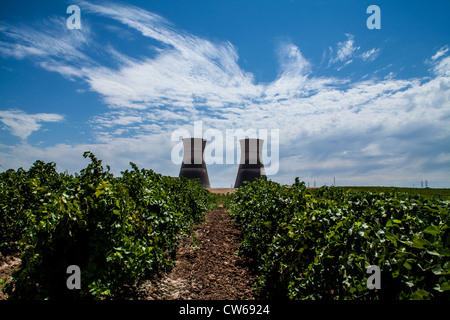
[[194, 166], [251, 165]]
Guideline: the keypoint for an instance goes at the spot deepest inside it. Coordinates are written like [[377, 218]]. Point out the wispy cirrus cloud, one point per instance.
[[370, 55], [346, 51], [48, 38], [441, 52]]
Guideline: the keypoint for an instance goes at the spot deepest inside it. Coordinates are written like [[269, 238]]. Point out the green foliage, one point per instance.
[[442, 193], [21, 192], [118, 230], [318, 243]]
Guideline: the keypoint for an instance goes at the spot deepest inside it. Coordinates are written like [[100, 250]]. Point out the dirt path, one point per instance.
[[7, 264], [210, 271]]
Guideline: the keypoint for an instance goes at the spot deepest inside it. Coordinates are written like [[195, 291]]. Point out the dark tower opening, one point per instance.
[[194, 166], [251, 166]]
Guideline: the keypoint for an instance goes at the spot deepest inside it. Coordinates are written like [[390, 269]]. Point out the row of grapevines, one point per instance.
[[118, 230], [318, 243]]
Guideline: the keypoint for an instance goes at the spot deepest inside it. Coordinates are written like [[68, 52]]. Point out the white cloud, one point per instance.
[[292, 61], [390, 76], [147, 151], [19, 51], [441, 52], [49, 38], [22, 124], [345, 50], [370, 55], [442, 68], [373, 149]]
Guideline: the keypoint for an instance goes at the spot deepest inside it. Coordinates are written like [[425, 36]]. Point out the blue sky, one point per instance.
[[366, 107]]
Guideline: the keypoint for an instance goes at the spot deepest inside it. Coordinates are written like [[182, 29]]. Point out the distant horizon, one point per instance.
[[2, 169], [367, 105]]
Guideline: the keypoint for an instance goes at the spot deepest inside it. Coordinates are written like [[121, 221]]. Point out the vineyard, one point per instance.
[[118, 230], [318, 243], [301, 243]]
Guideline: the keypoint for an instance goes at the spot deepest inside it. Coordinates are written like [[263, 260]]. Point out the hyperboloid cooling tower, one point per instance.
[[194, 166], [251, 165]]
